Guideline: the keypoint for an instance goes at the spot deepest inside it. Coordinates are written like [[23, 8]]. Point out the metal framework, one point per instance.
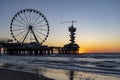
[[72, 47], [28, 26]]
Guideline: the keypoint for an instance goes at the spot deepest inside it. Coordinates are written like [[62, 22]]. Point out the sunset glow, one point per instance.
[[97, 27], [100, 49], [81, 51]]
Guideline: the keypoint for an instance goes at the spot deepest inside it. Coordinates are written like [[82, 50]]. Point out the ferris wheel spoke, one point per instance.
[[20, 22], [39, 22], [41, 25], [31, 36], [33, 18], [26, 18], [25, 36], [36, 20], [38, 36], [20, 33], [25, 39], [29, 18], [19, 29], [28, 25], [40, 33], [22, 19], [42, 29], [18, 25]]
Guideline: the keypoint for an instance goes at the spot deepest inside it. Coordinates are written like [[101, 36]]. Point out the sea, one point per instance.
[[97, 66]]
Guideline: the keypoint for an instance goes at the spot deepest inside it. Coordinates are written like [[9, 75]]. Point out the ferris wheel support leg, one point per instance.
[[35, 37], [25, 36]]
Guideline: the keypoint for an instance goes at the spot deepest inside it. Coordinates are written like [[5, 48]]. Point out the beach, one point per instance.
[[6, 74], [83, 67]]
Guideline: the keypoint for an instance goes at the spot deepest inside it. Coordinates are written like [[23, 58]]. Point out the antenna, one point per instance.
[[68, 22]]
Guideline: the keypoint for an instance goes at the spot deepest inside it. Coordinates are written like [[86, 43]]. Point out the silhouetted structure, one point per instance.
[[71, 74], [72, 47], [29, 25], [32, 26]]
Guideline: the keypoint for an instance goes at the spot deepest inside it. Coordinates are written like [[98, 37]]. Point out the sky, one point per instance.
[[98, 21]]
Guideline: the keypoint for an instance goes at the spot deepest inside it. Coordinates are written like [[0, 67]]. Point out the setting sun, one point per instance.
[[81, 51]]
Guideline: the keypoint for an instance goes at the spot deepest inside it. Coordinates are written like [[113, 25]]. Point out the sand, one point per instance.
[[6, 74]]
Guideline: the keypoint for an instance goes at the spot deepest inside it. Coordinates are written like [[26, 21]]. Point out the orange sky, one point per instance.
[[98, 22], [99, 48]]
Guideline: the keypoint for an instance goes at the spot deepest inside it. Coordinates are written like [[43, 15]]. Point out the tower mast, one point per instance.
[[72, 31], [71, 48]]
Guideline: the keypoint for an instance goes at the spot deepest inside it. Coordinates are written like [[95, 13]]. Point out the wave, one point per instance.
[[109, 64]]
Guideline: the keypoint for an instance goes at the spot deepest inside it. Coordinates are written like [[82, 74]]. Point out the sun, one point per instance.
[[81, 51]]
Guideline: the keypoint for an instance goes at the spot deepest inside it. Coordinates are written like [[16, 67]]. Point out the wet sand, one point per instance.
[[17, 75]]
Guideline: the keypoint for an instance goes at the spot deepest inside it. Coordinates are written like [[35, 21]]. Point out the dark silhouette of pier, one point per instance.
[[27, 49], [25, 27], [7, 47]]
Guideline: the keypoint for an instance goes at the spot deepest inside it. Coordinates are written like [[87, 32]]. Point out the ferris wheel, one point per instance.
[[29, 25]]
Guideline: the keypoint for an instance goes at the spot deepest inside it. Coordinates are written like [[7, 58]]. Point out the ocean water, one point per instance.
[[64, 67]]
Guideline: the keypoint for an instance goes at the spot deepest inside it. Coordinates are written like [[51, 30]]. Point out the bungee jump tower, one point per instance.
[[30, 29], [72, 47]]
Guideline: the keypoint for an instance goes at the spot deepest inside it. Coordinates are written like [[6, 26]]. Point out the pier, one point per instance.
[[27, 49], [29, 36]]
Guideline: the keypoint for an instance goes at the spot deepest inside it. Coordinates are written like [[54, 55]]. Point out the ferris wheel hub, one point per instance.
[[30, 27]]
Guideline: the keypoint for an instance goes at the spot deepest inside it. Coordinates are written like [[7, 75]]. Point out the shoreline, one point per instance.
[[6, 74], [53, 67]]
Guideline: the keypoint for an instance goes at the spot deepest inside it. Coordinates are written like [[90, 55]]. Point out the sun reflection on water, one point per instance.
[[60, 74]]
